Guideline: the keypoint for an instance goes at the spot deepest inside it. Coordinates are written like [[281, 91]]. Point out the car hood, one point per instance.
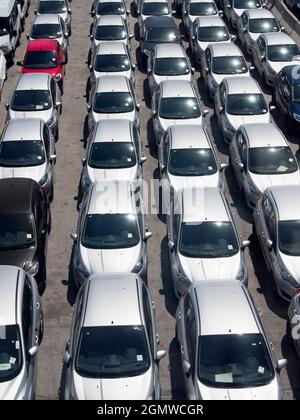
[[219, 77], [104, 260], [266, 392], [292, 265], [33, 172], [178, 182], [43, 115], [166, 123], [237, 120], [125, 174], [277, 66], [132, 388], [17, 257], [14, 389], [264, 181], [201, 269]]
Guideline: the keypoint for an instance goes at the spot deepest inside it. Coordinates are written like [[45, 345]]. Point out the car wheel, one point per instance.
[[41, 330]]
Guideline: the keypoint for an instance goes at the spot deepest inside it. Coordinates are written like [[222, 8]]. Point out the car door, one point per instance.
[[161, 152], [256, 54], [222, 109], [263, 227], [206, 69], [155, 108], [286, 96], [241, 158]]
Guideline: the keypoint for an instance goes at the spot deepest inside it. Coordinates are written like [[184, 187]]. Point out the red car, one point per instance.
[[44, 56]]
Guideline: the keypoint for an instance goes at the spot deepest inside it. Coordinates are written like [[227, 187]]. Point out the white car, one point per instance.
[[3, 73], [56, 7], [191, 9], [261, 157], [233, 9], [110, 8], [239, 100], [150, 8]]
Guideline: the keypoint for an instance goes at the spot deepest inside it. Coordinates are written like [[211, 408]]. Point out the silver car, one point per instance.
[[203, 239], [37, 95], [56, 7], [150, 8], [27, 150], [11, 24], [111, 233], [113, 351], [111, 8], [277, 225], [168, 62], [107, 29], [114, 152], [51, 27], [187, 158], [222, 59], [175, 102], [272, 52], [233, 9], [111, 58], [191, 9], [253, 23], [261, 157], [293, 322], [113, 97], [21, 333], [207, 30], [239, 100], [225, 352]]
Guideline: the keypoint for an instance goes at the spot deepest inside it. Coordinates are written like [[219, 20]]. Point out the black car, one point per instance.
[[294, 6], [25, 223], [158, 30]]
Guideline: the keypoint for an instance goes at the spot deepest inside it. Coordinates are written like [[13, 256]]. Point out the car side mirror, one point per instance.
[[282, 29], [53, 156], [147, 235], [153, 113], [33, 351], [192, 70], [6, 106], [138, 106], [70, 11], [67, 358], [223, 166], [83, 160], [149, 70], [220, 13], [221, 109], [35, 11], [143, 159], [27, 36], [241, 166], [133, 66], [57, 104], [20, 63], [272, 107], [269, 243], [193, 37], [91, 37], [205, 112], [186, 367], [131, 36], [128, 12], [91, 67], [281, 363], [263, 57], [245, 244], [251, 68], [88, 107], [228, 6], [160, 354], [74, 236], [233, 38], [93, 13], [162, 167], [171, 245]]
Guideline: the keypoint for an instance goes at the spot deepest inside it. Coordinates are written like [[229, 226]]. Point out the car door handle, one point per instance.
[[38, 306], [179, 315], [263, 234], [36, 339], [182, 349]]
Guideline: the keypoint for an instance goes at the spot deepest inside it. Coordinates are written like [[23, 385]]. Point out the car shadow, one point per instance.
[[85, 132], [88, 89], [217, 135], [205, 97], [136, 32], [238, 197], [176, 372], [158, 199], [62, 384], [293, 365], [170, 300], [139, 60], [72, 288], [147, 94], [151, 140]]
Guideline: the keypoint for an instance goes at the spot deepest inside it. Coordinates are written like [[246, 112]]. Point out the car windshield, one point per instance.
[[10, 352], [234, 361], [296, 93], [289, 237], [246, 104], [16, 231], [172, 66], [110, 231], [247, 4], [40, 60], [213, 33], [203, 9], [192, 162], [57, 6], [113, 102], [110, 32], [287, 52], [46, 30], [162, 35], [4, 26], [110, 8], [112, 352], [179, 108], [263, 25], [112, 62], [14, 154], [272, 160], [208, 240], [229, 65], [31, 100], [112, 155], [155, 9]]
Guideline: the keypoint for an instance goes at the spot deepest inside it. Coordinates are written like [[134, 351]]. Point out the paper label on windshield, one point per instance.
[[5, 366], [39, 158], [291, 160], [29, 236], [139, 357], [230, 247], [281, 168], [261, 369], [224, 377], [12, 360], [210, 168], [129, 235], [17, 345], [39, 107], [128, 159]]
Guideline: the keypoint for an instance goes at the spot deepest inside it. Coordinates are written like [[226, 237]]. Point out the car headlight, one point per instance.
[[58, 77], [296, 116], [43, 180], [285, 275], [50, 121], [137, 268], [33, 269]]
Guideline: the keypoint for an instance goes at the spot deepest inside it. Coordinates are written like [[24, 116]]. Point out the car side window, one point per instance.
[[176, 224], [136, 140], [165, 149], [208, 58], [27, 314], [53, 91], [190, 328], [148, 317], [263, 47], [269, 216], [78, 309], [46, 141], [244, 20], [287, 89]]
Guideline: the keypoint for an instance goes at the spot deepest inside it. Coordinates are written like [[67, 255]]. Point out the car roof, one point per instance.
[[210, 21], [264, 135], [118, 198], [287, 198], [222, 49], [218, 305], [34, 81], [113, 47], [203, 204], [274, 38], [259, 13], [9, 276], [289, 72], [105, 20], [6, 7], [113, 300], [189, 137], [16, 195], [242, 84], [112, 84], [176, 88], [169, 50], [22, 129], [46, 18], [42, 44], [160, 22], [113, 130]]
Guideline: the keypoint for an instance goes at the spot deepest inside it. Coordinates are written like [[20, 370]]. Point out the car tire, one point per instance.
[[41, 330]]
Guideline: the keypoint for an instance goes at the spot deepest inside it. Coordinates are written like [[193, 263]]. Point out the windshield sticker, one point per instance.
[[128, 159], [281, 168], [39, 107], [39, 157], [139, 357], [12, 360], [230, 247], [129, 235], [210, 168], [17, 344], [291, 160], [224, 377], [5, 366], [261, 369], [29, 236]]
